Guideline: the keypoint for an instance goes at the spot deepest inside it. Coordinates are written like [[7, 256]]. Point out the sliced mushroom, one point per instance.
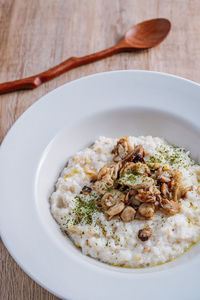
[[102, 172], [139, 217], [134, 168], [129, 157], [145, 195], [137, 155], [100, 187], [116, 209], [137, 182], [185, 190], [86, 190], [119, 195], [128, 167], [165, 191], [170, 208], [164, 177], [176, 187], [135, 203], [108, 200], [121, 149], [109, 173], [128, 214], [135, 176], [146, 210], [116, 170], [145, 233], [154, 190], [130, 198]]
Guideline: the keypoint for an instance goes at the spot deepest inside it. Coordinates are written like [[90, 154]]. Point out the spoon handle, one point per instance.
[[72, 62]]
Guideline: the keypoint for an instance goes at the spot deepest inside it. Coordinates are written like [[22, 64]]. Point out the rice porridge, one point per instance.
[[132, 202]]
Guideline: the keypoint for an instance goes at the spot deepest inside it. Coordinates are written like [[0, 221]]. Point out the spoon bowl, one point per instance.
[[147, 34]]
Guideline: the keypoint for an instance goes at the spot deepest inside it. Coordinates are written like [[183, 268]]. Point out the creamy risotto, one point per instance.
[[131, 202]]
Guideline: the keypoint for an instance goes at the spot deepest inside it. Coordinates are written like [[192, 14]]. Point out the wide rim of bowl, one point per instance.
[[37, 104]]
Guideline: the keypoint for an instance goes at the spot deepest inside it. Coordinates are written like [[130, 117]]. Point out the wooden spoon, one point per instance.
[[141, 36]]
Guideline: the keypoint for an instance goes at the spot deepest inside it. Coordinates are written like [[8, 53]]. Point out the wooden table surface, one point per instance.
[[37, 34]]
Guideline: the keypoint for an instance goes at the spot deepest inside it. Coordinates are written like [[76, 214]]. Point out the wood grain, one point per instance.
[[145, 35], [37, 34]]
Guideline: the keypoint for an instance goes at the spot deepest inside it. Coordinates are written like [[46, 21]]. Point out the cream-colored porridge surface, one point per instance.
[[110, 239]]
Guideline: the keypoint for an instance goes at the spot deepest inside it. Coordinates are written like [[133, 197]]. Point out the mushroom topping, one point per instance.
[[86, 190], [134, 189], [170, 208], [163, 176], [165, 191], [128, 167], [146, 210], [129, 157], [102, 172], [184, 191], [139, 217], [146, 195], [111, 198], [105, 174], [136, 181], [115, 210], [121, 149], [135, 176], [145, 233], [135, 168], [176, 186], [130, 196], [128, 214], [100, 187], [135, 203], [137, 155], [108, 173], [108, 200]]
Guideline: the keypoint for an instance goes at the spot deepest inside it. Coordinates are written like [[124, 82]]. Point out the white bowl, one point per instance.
[[36, 149]]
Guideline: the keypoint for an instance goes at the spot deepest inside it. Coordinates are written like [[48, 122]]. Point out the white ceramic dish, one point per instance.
[[36, 149]]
